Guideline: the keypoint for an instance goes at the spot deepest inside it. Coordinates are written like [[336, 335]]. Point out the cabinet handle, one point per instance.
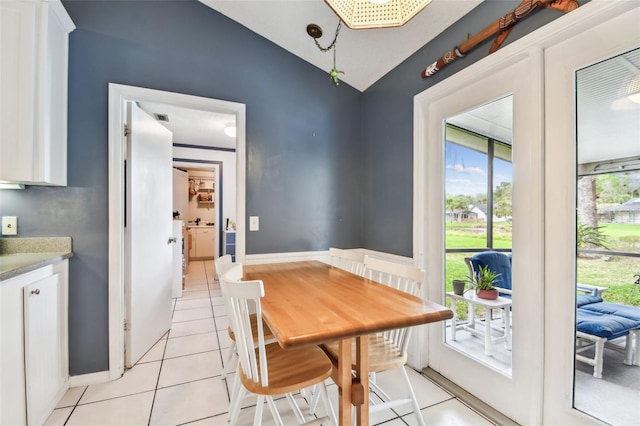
[[36, 291], [172, 240]]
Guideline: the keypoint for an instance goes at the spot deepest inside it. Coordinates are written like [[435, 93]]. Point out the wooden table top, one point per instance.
[[310, 302]]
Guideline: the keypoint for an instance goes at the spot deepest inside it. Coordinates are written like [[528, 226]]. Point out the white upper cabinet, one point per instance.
[[34, 37]]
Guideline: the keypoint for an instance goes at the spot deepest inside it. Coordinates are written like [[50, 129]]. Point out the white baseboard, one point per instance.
[[323, 256], [89, 379], [252, 259], [387, 256]]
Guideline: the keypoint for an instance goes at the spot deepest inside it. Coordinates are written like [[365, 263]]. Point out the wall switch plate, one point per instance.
[[254, 223], [9, 225]]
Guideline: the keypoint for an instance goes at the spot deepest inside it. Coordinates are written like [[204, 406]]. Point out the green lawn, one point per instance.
[[622, 237], [615, 272]]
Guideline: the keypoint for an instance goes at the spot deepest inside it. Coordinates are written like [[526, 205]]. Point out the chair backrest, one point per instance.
[[495, 261], [405, 278], [222, 264], [349, 260], [242, 299]]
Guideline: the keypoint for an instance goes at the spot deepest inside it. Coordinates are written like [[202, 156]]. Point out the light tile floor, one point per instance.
[[179, 381]]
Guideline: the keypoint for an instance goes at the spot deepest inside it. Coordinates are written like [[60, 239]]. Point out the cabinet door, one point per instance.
[[33, 82], [18, 88], [43, 339], [205, 242]]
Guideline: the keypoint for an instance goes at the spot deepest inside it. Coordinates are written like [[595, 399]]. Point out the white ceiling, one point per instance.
[[193, 127], [364, 55]]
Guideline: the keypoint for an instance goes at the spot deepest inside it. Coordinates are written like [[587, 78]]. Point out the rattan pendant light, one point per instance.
[[360, 14]]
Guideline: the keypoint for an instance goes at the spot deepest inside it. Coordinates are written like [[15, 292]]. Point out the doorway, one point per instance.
[[118, 96]]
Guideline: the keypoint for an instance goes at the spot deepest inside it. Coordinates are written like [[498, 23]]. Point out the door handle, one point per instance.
[[172, 240]]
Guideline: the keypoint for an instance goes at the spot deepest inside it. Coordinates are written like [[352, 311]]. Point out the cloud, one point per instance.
[[475, 171]]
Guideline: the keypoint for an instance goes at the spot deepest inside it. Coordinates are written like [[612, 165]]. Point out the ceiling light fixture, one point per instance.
[[360, 14], [633, 90], [230, 130]]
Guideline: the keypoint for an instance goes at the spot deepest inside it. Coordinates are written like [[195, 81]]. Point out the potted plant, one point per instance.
[[483, 282]]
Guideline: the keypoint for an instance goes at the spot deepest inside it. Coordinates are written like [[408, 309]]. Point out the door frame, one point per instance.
[[551, 234], [118, 95]]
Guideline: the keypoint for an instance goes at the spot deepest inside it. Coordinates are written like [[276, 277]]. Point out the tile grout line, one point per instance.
[[215, 326], [164, 351]]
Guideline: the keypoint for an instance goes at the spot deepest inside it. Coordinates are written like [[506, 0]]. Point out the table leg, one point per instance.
[[360, 390], [507, 327], [454, 320], [487, 330], [471, 317], [344, 382]]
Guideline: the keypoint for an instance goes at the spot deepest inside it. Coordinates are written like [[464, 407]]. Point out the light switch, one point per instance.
[[254, 223], [9, 225]]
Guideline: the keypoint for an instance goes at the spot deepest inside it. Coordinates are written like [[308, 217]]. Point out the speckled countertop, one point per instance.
[[22, 255]]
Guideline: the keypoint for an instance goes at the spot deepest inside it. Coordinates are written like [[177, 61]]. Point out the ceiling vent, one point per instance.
[[162, 117]]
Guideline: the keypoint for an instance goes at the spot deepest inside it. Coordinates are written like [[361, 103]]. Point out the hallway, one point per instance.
[[179, 380]]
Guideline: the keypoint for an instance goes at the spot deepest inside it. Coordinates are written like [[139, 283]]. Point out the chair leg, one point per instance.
[[414, 401], [296, 409], [327, 404], [227, 362], [274, 411], [636, 347], [598, 359], [257, 419], [628, 349], [236, 398]]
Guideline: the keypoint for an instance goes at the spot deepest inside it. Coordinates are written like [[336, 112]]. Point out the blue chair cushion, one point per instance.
[[585, 299], [617, 309], [497, 262], [603, 325]]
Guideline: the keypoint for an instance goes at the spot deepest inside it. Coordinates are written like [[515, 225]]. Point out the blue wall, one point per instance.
[[387, 115], [310, 176], [303, 141]]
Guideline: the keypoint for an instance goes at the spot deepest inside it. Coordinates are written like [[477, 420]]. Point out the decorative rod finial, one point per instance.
[[314, 30]]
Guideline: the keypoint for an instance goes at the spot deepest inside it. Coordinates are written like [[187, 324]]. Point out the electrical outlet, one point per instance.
[[254, 223], [9, 225]]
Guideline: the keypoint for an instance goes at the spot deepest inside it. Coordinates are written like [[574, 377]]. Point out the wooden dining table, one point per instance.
[[311, 303]]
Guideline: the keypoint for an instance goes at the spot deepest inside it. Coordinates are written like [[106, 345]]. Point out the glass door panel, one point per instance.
[[607, 377], [478, 175]]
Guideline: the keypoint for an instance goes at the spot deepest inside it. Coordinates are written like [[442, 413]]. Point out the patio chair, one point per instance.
[[268, 370], [599, 323], [222, 265], [349, 260], [388, 350], [497, 262]]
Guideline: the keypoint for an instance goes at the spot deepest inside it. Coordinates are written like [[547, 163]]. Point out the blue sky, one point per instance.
[[466, 171]]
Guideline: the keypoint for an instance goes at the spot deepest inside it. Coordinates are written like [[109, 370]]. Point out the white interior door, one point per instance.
[[516, 393], [148, 233]]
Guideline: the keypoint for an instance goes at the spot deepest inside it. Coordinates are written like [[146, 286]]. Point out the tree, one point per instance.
[[502, 206], [614, 188], [587, 208], [590, 235], [456, 202]]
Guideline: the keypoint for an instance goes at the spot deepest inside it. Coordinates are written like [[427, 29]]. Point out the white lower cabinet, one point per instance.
[[204, 242], [34, 344]]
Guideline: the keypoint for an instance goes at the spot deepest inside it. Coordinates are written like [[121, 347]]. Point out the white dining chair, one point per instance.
[[349, 260], [222, 265], [388, 350], [268, 370]]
